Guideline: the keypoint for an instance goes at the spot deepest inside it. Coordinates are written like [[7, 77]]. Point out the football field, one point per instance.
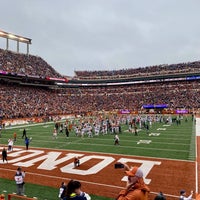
[[165, 141], [164, 149]]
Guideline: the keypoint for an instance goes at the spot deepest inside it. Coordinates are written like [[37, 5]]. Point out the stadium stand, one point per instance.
[[41, 97], [23, 64], [29, 101], [181, 68]]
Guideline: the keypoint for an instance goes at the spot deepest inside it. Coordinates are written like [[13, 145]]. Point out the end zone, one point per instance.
[[50, 167]]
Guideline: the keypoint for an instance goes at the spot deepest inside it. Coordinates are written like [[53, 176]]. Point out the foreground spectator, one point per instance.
[[160, 196], [183, 195], [62, 190], [74, 192], [19, 179], [136, 188]]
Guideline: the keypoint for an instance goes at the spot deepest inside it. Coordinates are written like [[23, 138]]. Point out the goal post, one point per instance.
[[18, 197]]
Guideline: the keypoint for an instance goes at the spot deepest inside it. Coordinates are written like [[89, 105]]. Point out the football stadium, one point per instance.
[[96, 128]]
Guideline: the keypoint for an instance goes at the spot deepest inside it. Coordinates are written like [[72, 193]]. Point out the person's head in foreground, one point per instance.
[[183, 193], [135, 175], [74, 191], [160, 196], [136, 188], [73, 188]]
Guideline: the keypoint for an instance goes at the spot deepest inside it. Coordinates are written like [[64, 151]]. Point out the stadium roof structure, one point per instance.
[[18, 38]]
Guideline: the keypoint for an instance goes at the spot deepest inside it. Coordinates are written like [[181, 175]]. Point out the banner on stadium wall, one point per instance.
[[3, 72], [57, 79], [182, 111], [152, 106], [126, 111]]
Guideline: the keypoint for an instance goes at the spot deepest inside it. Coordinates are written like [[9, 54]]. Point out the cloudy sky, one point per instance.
[[105, 34]]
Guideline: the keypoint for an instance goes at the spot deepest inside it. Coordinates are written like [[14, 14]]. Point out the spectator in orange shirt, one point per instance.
[[136, 188]]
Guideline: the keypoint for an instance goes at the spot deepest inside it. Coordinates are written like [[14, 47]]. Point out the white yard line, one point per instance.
[[131, 147], [104, 139], [161, 137], [100, 137], [108, 145]]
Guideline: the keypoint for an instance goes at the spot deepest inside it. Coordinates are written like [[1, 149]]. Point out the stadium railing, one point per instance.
[[17, 197]]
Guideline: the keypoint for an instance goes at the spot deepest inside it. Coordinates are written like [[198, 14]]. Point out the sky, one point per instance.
[[105, 34]]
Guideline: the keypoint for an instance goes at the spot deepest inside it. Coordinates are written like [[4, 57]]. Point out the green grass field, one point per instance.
[[176, 142]]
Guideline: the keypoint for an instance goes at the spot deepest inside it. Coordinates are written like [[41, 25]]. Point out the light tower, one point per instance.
[[18, 38]]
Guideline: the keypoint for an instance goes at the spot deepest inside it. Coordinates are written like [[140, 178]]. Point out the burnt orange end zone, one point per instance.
[[169, 177]]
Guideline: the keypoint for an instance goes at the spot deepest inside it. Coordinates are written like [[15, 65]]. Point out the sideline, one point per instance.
[[27, 125], [197, 154], [83, 181]]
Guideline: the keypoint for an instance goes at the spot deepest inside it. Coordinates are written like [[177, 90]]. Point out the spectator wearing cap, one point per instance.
[[183, 195], [136, 188]]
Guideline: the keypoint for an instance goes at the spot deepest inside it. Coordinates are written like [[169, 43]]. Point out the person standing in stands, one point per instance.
[[19, 180], [24, 134], [4, 155]]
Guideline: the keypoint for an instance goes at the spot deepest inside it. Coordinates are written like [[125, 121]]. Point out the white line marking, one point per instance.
[[144, 142], [161, 129], [154, 134], [131, 147], [135, 156], [108, 139]]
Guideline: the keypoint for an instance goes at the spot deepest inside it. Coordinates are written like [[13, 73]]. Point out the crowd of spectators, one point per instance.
[[26, 101], [23, 64], [191, 67]]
